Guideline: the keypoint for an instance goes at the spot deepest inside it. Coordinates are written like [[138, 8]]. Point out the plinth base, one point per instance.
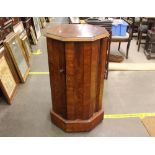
[[77, 125]]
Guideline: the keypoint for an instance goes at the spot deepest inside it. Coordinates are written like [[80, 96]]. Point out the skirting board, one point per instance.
[[132, 66]]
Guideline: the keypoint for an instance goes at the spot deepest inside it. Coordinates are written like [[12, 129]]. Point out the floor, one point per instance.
[[124, 93]]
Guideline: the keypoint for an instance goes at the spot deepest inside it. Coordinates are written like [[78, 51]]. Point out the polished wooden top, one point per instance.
[[77, 32]]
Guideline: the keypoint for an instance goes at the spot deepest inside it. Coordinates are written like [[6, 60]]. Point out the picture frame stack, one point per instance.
[[21, 32], [8, 84], [17, 54], [37, 27], [50, 19], [33, 36], [43, 22]]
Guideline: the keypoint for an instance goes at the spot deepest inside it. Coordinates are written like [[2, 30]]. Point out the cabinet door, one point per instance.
[[56, 56]]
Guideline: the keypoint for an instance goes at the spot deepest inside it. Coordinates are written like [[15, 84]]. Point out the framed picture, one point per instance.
[[27, 47], [37, 27], [50, 19], [34, 39], [43, 21], [40, 24], [18, 28], [7, 81], [74, 20], [16, 51]]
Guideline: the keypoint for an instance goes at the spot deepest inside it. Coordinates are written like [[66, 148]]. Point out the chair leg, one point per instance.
[[140, 39], [137, 38], [119, 46], [150, 51], [146, 43], [133, 25], [107, 61], [127, 50], [132, 31]]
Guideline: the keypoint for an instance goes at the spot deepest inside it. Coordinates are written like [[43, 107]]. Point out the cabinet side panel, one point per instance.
[[87, 50], [56, 57], [82, 59], [78, 78], [70, 79], [91, 61], [94, 74], [101, 72]]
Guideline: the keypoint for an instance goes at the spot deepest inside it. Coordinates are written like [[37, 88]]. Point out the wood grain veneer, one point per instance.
[[77, 76]]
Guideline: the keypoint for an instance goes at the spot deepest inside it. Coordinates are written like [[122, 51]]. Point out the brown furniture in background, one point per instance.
[[6, 26], [77, 56], [134, 23], [15, 20], [142, 32], [27, 22], [149, 49], [146, 24], [127, 38]]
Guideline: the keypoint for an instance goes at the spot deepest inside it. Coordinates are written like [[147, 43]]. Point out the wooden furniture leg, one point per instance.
[[140, 38], [127, 51], [119, 46], [133, 24], [107, 60]]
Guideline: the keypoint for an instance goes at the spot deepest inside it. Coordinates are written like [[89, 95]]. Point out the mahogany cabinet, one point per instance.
[[77, 55]]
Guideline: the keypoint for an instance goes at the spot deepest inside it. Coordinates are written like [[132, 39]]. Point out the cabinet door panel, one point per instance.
[[57, 75]]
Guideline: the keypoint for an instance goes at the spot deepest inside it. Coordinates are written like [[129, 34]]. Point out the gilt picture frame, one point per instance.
[[43, 22], [8, 84], [16, 51], [21, 32], [37, 27], [33, 36], [50, 19], [18, 28], [27, 47]]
